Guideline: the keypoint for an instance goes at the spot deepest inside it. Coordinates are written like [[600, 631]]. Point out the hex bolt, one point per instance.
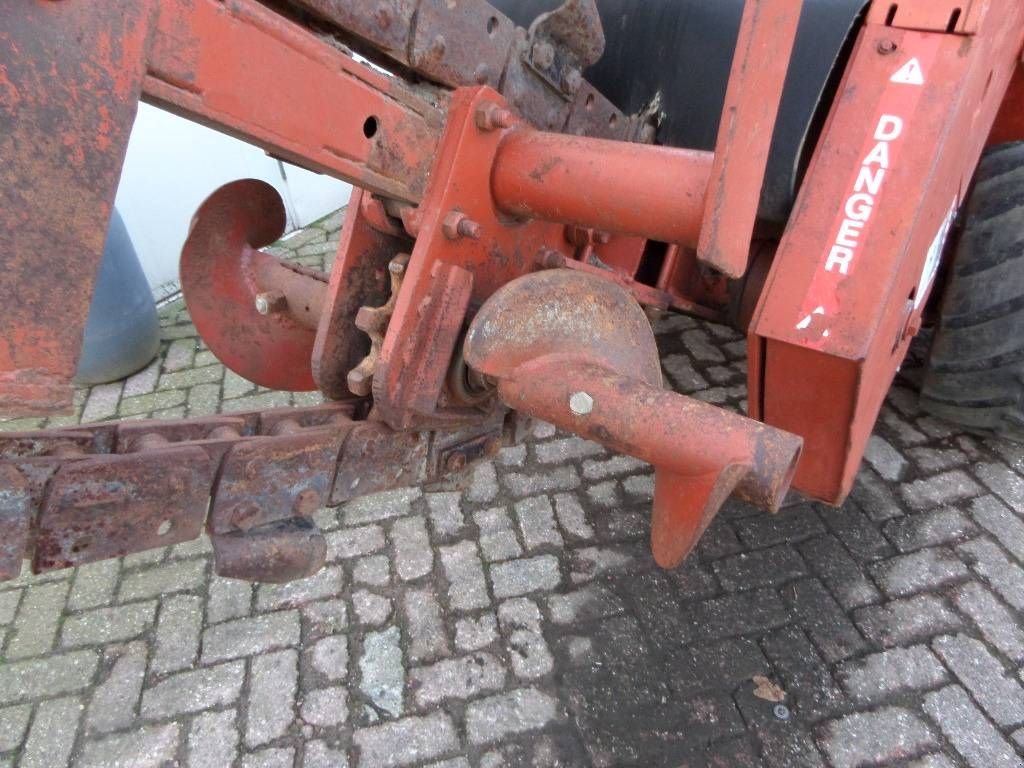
[[457, 225], [270, 302], [543, 55], [491, 117], [581, 404], [887, 46]]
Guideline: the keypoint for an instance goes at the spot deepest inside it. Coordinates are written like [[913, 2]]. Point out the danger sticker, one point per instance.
[[879, 157]]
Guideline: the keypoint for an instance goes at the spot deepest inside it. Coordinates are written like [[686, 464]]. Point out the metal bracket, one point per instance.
[[564, 42]]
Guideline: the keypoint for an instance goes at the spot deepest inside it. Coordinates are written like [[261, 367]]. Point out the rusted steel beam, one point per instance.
[[760, 64], [247, 71], [634, 189], [577, 350], [471, 43], [70, 75]]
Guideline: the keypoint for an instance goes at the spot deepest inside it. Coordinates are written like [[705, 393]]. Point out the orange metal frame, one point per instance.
[[857, 263]]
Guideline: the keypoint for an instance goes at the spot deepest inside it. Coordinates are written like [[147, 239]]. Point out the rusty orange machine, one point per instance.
[[526, 186]]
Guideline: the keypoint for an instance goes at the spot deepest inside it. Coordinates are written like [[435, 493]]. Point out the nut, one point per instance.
[[457, 225]]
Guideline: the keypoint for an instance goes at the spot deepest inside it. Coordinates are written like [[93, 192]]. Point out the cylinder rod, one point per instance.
[[614, 186]]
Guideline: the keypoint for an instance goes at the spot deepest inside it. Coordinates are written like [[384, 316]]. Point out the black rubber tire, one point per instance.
[[975, 377]]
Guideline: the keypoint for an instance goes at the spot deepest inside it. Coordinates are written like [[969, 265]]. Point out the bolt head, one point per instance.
[[887, 46], [269, 302], [581, 404]]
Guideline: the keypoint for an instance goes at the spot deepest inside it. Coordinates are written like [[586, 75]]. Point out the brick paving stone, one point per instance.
[[998, 625], [193, 691], [381, 506], [320, 755], [465, 574], [536, 518], [572, 517], [227, 599], [273, 684], [1009, 485], [484, 484], [918, 571], [427, 637], [980, 744], [1003, 575], [763, 567], [150, 747], [93, 585], [407, 741], [52, 735], [498, 540], [329, 657], [906, 621], [929, 529], [998, 693], [520, 622], [462, 678], [177, 634], [587, 604], [353, 542], [521, 577], [555, 479], [327, 583], [881, 675], [839, 572], [382, 676], [251, 636], [491, 719], [940, 489], [998, 520], [878, 737], [325, 707], [45, 677], [212, 740], [115, 700], [275, 757], [446, 516], [413, 556], [102, 402], [13, 726], [472, 634], [886, 460], [173, 577], [737, 614], [567, 449], [107, 625], [35, 629], [373, 570], [371, 609]]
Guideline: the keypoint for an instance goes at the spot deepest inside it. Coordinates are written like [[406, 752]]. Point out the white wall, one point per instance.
[[173, 164]]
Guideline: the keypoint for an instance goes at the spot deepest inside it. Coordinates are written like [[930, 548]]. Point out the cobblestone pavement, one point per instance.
[[518, 619]]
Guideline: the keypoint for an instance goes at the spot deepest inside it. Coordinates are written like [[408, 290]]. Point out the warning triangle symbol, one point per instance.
[[909, 74]]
